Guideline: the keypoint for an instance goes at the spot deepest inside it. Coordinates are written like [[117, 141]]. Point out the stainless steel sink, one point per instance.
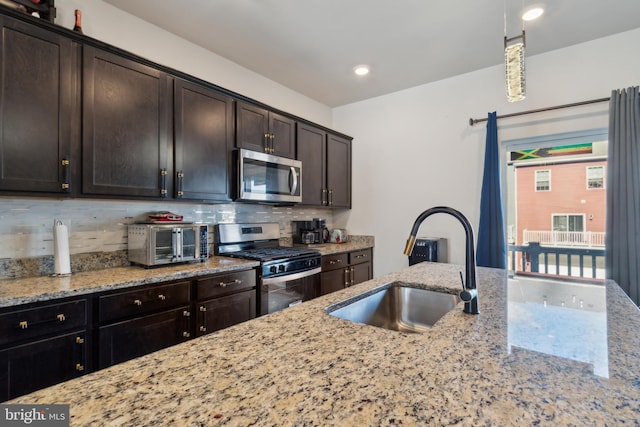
[[397, 307]]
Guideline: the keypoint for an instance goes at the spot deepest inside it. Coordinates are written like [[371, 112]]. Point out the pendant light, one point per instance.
[[514, 63]]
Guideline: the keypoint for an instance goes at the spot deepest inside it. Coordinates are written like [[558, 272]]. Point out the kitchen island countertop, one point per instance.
[[301, 366]]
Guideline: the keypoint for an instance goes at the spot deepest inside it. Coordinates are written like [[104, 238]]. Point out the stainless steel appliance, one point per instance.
[[312, 232], [287, 276], [161, 244], [268, 178]]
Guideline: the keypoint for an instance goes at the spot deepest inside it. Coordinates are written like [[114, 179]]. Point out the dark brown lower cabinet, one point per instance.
[[29, 367], [225, 300], [126, 340], [226, 311], [346, 269]]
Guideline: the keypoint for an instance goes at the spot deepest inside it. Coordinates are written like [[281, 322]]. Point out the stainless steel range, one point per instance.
[[287, 276]]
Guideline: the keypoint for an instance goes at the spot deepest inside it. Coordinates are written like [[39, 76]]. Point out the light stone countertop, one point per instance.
[[36, 289], [301, 366]]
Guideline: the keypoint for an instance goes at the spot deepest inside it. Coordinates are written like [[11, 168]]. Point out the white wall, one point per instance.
[[108, 24], [415, 149]]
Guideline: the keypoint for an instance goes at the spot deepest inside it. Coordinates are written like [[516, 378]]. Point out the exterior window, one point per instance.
[[565, 222], [543, 180], [595, 176]]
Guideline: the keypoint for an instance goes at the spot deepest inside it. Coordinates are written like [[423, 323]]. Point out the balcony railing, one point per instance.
[[560, 261], [564, 238]]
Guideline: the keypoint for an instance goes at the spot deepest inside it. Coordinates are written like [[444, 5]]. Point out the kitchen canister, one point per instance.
[[61, 257]]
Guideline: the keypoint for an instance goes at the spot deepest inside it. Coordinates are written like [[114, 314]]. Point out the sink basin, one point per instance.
[[396, 307]]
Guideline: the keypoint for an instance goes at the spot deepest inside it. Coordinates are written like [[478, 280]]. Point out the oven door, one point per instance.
[[277, 293], [267, 178]]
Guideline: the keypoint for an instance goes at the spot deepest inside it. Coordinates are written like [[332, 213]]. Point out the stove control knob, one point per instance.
[[281, 267], [273, 269]]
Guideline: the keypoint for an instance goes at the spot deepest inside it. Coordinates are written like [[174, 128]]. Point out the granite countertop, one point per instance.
[[301, 366], [36, 289]]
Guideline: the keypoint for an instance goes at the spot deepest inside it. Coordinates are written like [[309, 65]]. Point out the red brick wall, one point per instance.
[[568, 195]]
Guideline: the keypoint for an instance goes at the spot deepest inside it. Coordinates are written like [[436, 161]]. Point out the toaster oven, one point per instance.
[[160, 244]]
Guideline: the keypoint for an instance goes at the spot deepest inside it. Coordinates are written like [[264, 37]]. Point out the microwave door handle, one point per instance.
[[293, 179]]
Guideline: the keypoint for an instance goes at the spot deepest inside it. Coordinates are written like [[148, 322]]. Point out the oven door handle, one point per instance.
[[287, 277], [293, 179]]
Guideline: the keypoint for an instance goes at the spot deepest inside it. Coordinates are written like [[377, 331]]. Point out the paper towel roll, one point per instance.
[[61, 259]]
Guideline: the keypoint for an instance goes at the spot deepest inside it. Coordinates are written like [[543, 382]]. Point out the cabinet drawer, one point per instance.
[[141, 301], [224, 284], [42, 320], [332, 262], [358, 257]]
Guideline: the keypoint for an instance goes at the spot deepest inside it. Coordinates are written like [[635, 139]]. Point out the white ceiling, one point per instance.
[[311, 46]]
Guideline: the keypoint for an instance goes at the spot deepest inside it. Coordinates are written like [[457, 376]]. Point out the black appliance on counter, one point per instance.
[[287, 276], [312, 232], [429, 249]]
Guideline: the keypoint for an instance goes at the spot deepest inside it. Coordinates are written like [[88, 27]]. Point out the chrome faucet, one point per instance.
[[469, 292]]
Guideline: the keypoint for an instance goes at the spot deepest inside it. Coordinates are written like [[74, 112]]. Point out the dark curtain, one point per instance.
[[492, 249], [623, 192]]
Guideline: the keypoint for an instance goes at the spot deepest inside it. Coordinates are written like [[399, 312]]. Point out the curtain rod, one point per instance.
[[557, 107]]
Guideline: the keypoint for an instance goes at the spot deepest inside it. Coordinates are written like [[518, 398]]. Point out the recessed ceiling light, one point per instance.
[[533, 13], [361, 70]]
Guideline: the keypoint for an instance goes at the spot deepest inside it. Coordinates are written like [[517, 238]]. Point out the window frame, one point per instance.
[[535, 180]]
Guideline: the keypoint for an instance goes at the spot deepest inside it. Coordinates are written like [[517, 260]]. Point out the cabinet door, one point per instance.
[[334, 280], [125, 340], [339, 171], [283, 135], [37, 77], [203, 142], [361, 273], [223, 312], [311, 151], [126, 124], [252, 127], [40, 364]]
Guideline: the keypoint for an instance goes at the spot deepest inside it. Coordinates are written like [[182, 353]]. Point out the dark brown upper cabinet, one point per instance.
[[36, 106], [203, 142], [126, 127], [259, 129], [326, 167]]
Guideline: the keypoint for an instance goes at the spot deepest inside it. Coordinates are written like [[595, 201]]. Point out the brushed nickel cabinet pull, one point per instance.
[[186, 313], [23, 324], [203, 329], [162, 297], [233, 282], [137, 302], [79, 367], [186, 334], [60, 317], [79, 340]]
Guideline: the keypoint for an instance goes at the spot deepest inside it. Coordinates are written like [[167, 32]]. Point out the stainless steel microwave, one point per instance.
[[160, 244], [267, 178]]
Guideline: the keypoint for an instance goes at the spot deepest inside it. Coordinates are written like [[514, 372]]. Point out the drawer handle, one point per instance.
[[335, 261], [186, 313], [162, 297], [203, 329], [203, 308], [137, 302], [234, 282], [60, 317], [24, 324], [79, 340], [79, 367], [360, 256], [186, 334]]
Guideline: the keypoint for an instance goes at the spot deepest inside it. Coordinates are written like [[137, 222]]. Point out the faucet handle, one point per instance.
[[467, 294]]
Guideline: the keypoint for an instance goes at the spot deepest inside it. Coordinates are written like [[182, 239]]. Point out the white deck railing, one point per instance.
[[564, 238]]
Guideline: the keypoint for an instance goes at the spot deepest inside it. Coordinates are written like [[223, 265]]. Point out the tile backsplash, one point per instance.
[[98, 228]]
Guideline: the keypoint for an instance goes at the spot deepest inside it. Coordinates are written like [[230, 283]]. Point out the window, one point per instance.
[[568, 222], [543, 180], [595, 177]]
